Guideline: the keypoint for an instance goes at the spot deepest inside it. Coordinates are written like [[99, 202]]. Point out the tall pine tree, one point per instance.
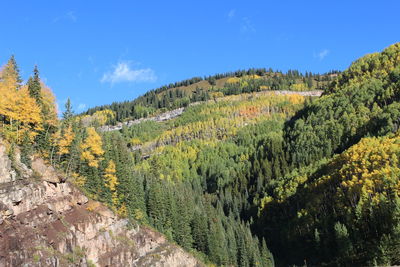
[[68, 113], [34, 86]]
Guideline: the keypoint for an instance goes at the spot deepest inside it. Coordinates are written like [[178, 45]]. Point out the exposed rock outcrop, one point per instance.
[[6, 173], [47, 173], [168, 115], [51, 223], [161, 117]]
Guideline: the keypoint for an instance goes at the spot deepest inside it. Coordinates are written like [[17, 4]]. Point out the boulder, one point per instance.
[[47, 173]]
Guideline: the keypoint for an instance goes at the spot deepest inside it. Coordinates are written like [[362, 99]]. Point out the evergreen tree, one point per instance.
[[34, 86], [199, 231], [68, 113]]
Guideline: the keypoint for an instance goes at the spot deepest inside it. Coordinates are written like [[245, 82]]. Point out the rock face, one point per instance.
[[6, 174], [47, 173], [161, 117], [47, 222]]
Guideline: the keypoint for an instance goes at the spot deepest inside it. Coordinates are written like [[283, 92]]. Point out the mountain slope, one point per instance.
[[337, 204], [47, 222], [241, 169], [364, 100], [181, 94]]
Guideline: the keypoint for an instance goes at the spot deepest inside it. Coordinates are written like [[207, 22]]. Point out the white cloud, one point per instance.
[[322, 54], [81, 107], [124, 73], [70, 16], [231, 13], [247, 26]]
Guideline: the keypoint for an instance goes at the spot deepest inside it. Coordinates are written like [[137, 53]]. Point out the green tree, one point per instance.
[[34, 86], [68, 113]]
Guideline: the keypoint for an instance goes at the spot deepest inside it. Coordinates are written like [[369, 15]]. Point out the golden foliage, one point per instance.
[[229, 114], [122, 211], [135, 141], [233, 80], [20, 114], [49, 106], [110, 177], [215, 95], [92, 148], [78, 180], [103, 116], [64, 143], [370, 169], [8, 77]]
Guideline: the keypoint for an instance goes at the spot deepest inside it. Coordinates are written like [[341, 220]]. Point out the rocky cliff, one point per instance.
[[45, 221]]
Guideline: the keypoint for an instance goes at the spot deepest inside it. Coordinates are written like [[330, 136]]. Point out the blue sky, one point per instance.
[[97, 52]]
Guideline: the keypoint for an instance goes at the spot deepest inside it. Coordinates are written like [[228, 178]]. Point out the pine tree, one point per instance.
[[266, 256], [181, 223], [130, 187], [155, 207], [68, 113], [34, 86], [49, 117], [199, 231]]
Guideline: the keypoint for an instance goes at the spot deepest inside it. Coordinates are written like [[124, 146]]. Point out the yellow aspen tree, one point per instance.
[[111, 182], [9, 83], [92, 148], [18, 111], [26, 112], [110, 176], [103, 116], [123, 211], [64, 143], [9, 76], [49, 107]]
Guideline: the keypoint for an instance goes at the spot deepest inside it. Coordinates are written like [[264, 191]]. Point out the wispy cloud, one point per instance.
[[247, 26], [322, 54], [231, 13], [69, 16], [81, 107], [122, 72]]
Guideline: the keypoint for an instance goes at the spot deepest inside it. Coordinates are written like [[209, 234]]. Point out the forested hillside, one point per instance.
[[243, 177], [338, 203], [181, 94]]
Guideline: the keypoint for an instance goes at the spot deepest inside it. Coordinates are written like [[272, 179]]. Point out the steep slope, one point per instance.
[[337, 204], [363, 101], [45, 221]]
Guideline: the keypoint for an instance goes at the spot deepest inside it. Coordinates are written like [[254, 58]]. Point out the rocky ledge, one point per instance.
[[45, 221]]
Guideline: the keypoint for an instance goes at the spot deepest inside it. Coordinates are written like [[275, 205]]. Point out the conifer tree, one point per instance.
[[68, 113], [34, 86]]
